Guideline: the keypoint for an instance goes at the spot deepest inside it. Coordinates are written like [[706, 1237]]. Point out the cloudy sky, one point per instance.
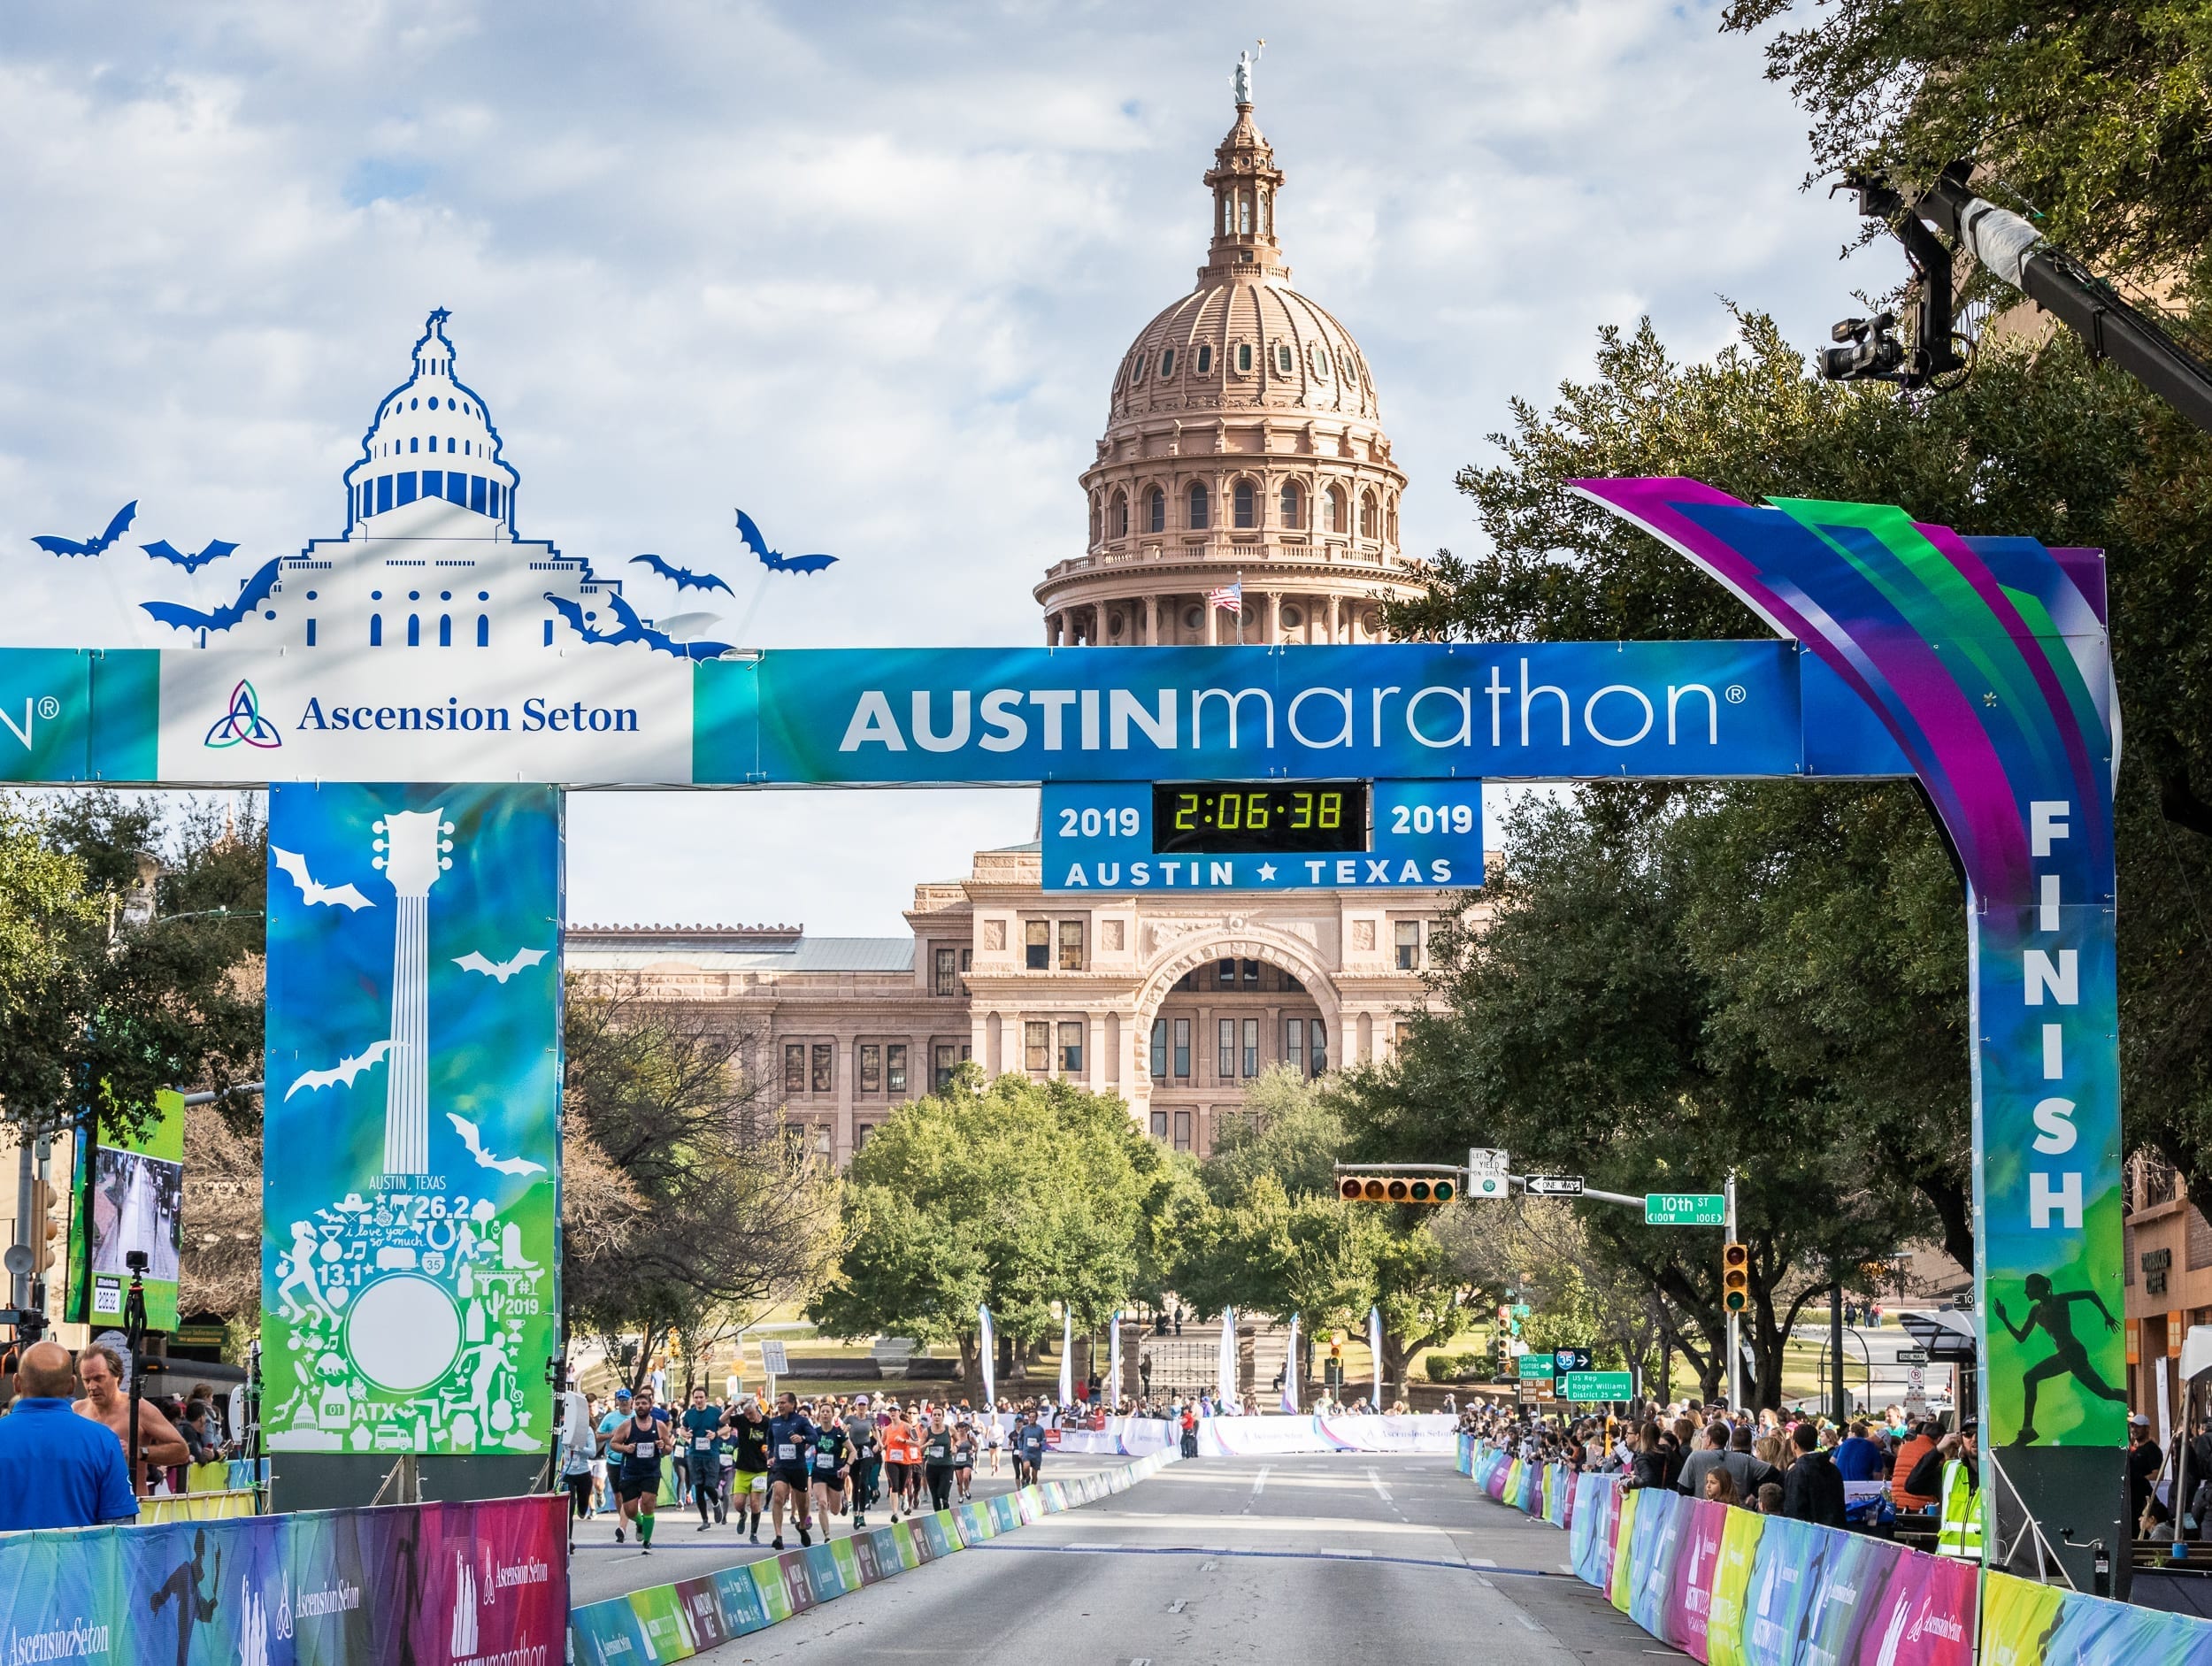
[[864, 270]]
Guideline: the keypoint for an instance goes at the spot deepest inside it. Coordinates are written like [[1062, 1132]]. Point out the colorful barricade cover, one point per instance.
[[1734, 1588], [674, 1622], [2028, 1624], [450, 1581]]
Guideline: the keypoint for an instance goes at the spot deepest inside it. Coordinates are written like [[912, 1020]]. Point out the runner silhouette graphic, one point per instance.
[[2052, 1313]]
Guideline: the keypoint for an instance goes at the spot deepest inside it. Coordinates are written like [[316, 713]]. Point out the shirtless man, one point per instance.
[[159, 1445]]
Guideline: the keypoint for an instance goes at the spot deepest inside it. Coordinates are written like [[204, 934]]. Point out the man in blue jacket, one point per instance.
[[57, 1469]]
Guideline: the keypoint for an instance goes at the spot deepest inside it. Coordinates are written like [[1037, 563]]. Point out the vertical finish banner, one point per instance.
[[411, 1202], [1987, 660]]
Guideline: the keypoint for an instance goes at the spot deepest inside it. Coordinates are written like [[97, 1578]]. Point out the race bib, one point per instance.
[[787, 1452], [705, 1442], [647, 1449]]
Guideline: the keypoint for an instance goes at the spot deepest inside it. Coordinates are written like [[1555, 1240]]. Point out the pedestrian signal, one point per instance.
[[1735, 1277], [1396, 1188]]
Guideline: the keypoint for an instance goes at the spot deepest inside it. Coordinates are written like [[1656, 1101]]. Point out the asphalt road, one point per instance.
[[602, 1568], [1346, 1557]]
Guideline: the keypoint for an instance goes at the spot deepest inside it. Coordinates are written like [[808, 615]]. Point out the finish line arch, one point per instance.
[[414, 924]]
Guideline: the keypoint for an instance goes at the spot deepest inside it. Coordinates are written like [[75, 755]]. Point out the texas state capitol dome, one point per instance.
[[1243, 439]]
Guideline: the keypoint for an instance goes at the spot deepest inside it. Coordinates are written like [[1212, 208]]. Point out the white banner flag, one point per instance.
[[1113, 1363], [989, 1344], [1290, 1371], [1374, 1347], [1226, 1393], [1067, 1356]]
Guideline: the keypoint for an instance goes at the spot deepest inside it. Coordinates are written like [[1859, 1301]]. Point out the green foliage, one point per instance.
[[688, 1203], [1584, 1032], [1454, 1368], [1018, 1195], [1269, 1233], [97, 1004], [1841, 965], [2098, 117]]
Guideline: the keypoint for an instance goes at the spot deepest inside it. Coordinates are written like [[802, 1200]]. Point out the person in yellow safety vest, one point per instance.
[[1959, 1495]]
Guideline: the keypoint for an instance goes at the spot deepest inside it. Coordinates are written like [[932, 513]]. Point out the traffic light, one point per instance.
[[1396, 1188], [46, 1231], [1735, 1277]]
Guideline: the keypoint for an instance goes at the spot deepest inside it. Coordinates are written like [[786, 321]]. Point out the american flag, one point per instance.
[[1229, 596]]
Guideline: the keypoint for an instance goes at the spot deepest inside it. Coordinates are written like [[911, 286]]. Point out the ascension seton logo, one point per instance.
[[243, 723]]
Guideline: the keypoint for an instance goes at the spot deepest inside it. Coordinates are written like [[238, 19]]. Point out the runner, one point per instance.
[[963, 1455], [833, 1468], [703, 1458], [790, 1441], [866, 1448], [901, 1461], [618, 1414], [938, 1460], [643, 1442], [994, 1436], [748, 1439], [1029, 1450]]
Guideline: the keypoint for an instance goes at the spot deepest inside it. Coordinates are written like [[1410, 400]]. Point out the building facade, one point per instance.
[[1243, 443]]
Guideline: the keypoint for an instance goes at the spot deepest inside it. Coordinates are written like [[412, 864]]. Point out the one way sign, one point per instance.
[[1555, 1185]]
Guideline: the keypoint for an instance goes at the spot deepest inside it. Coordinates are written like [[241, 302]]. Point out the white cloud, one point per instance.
[[864, 269]]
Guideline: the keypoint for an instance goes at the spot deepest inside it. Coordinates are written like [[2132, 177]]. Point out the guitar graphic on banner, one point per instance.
[[413, 847]]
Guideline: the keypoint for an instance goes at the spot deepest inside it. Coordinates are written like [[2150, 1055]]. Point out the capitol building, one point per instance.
[[1243, 442]]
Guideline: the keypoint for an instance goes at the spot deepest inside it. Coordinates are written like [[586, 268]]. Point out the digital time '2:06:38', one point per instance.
[[1222, 820]]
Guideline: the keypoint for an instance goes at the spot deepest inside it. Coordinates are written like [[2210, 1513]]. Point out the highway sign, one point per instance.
[[1555, 1185], [1486, 1172], [772, 1359], [1570, 1359], [1589, 1385], [1912, 1356], [1684, 1209], [1535, 1367]]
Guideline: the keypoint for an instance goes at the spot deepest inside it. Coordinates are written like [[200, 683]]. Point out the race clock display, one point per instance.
[[1348, 835], [1234, 819]]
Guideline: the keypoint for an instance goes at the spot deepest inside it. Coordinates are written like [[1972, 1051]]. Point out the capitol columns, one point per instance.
[[1335, 617], [1274, 618], [1151, 621]]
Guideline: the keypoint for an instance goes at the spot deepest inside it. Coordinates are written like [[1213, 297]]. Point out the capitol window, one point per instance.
[[1167, 363], [1247, 499], [1120, 519], [1155, 510], [1070, 945], [1205, 358], [822, 1077], [1282, 359], [1137, 375], [1293, 505], [1036, 1045], [795, 1067], [1408, 935], [1072, 1047], [1320, 359], [1369, 524], [1336, 509], [1037, 945], [1199, 516], [871, 1067], [1244, 359], [1192, 618], [1159, 1049], [894, 1067]]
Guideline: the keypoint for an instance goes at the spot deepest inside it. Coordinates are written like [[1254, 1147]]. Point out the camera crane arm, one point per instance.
[[2008, 246], [2062, 285]]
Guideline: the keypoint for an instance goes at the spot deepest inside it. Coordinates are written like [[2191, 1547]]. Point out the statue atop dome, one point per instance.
[[1246, 62]]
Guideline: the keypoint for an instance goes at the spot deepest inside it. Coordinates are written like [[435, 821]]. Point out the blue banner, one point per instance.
[[411, 1207], [1403, 711]]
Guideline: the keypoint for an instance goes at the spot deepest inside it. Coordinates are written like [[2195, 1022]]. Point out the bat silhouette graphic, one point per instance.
[[91, 546], [502, 969], [475, 1142], [346, 1070], [632, 629], [255, 591], [162, 549], [775, 560], [311, 892], [683, 576]]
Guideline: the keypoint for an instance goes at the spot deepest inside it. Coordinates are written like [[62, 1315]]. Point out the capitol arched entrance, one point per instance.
[[1213, 1017]]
